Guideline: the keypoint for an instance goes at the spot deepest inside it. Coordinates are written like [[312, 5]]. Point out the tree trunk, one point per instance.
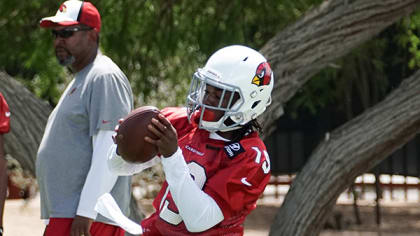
[[323, 35], [352, 149], [28, 120], [299, 52]]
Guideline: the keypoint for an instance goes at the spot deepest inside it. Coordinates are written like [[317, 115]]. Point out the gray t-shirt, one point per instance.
[[96, 99]]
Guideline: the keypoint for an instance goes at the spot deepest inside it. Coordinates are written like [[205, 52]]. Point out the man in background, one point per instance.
[[71, 163]]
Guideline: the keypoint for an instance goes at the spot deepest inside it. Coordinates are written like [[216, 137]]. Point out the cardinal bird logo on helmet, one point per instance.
[[262, 75], [62, 8]]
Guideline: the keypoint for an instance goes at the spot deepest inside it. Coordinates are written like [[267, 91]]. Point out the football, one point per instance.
[[131, 132]]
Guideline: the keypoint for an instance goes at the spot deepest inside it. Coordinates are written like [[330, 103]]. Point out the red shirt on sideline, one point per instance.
[[4, 116]]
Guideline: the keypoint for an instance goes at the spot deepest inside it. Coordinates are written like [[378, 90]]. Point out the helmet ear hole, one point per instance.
[[255, 104]]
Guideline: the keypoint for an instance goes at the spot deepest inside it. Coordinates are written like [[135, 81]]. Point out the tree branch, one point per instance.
[[29, 117], [323, 35]]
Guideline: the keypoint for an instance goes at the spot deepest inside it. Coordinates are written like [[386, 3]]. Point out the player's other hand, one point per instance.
[[167, 138], [114, 136]]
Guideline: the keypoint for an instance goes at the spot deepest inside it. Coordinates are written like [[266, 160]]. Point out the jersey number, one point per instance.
[[266, 164]]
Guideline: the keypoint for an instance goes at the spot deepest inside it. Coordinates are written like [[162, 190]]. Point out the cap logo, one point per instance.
[[262, 75], [62, 8]]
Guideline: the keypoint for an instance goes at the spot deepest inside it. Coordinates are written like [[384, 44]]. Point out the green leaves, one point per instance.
[[159, 44], [410, 40]]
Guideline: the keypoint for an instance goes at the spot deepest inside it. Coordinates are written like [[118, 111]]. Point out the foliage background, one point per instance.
[[159, 44]]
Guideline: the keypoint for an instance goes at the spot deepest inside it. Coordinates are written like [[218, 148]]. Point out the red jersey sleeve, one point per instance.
[[4, 116], [237, 186]]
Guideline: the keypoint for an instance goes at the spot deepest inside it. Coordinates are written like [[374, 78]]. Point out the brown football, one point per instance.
[[131, 133]]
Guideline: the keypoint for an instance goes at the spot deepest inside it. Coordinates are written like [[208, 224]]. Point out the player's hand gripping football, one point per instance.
[[167, 141], [114, 136]]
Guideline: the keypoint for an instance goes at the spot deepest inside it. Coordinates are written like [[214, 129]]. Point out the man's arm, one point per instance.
[[99, 180], [112, 100], [3, 181]]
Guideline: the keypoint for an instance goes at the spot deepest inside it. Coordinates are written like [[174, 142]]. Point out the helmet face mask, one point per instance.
[[214, 116], [242, 80]]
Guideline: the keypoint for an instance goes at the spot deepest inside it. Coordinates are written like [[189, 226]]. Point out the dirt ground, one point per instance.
[[22, 218], [397, 219]]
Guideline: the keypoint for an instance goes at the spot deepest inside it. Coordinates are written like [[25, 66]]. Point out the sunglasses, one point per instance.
[[67, 32]]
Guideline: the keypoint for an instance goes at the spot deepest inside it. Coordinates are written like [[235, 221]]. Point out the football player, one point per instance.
[[216, 166]]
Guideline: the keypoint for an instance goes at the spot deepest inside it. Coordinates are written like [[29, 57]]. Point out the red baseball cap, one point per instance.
[[74, 12]]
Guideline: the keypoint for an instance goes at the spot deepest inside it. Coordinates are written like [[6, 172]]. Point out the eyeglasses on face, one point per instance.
[[67, 32]]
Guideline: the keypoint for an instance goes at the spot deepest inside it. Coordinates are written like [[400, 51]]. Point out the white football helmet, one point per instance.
[[236, 69]]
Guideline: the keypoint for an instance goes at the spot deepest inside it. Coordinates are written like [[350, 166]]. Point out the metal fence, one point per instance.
[[291, 146], [293, 142]]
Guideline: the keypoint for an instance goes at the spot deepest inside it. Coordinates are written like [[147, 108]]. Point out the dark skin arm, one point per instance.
[[167, 141], [81, 226], [3, 179]]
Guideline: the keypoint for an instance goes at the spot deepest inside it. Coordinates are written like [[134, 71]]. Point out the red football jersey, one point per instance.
[[4, 115], [233, 174]]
